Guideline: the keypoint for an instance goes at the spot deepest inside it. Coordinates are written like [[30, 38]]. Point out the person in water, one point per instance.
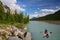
[[46, 33]]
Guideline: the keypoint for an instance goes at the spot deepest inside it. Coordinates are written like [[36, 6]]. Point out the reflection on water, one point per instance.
[[37, 30]]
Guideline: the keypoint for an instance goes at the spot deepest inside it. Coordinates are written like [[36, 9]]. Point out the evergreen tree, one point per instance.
[[2, 11], [7, 17], [21, 18], [16, 16], [26, 19]]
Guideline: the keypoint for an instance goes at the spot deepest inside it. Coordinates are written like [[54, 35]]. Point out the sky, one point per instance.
[[35, 8]]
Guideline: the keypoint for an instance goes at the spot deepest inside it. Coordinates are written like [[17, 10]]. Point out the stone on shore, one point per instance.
[[14, 38], [28, 36]]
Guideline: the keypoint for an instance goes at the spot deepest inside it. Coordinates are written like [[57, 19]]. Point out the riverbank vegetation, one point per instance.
[[9, 18], [10, 22]]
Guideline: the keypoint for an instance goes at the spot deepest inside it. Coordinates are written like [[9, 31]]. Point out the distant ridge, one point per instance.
[[55, 16]]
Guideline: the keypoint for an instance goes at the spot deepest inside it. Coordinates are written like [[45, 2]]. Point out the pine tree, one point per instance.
[[28, 18], [16, 16], [12, 18], [21, 18], [2, 12]]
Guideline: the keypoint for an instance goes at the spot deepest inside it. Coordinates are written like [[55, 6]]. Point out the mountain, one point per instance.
[[55, 16], [34, 18], [5, 6]]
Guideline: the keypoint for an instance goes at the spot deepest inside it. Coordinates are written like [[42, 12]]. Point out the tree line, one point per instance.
[[55, 17], [7, 17]]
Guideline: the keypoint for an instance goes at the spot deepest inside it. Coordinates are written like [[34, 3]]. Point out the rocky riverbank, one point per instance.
[[11, 31]]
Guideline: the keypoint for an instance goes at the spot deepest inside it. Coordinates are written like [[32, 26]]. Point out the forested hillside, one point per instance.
[[55, 16], [7, 17]]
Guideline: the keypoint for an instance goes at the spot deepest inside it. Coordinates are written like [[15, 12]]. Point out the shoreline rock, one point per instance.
[[12, 31], [28, 36]]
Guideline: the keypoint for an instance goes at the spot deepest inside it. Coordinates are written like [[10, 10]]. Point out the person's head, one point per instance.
[[45, 30]]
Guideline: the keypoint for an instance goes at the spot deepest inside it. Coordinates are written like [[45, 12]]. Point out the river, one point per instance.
[[37, 30]]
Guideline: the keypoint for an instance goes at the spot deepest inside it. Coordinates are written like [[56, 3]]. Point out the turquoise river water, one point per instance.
[[37, 28]]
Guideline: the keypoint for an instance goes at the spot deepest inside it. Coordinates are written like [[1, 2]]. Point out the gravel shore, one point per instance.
[[54, 22]]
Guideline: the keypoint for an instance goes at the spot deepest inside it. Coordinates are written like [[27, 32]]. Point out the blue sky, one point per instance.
[[35, 8]]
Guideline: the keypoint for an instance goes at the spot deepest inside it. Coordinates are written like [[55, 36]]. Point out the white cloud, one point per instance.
[[36, 12], [58, 8], [33, 15], [24, 5], [48, 11], [36, 15], [17, 7], [43, 12], [12, 4], [8, 2]]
